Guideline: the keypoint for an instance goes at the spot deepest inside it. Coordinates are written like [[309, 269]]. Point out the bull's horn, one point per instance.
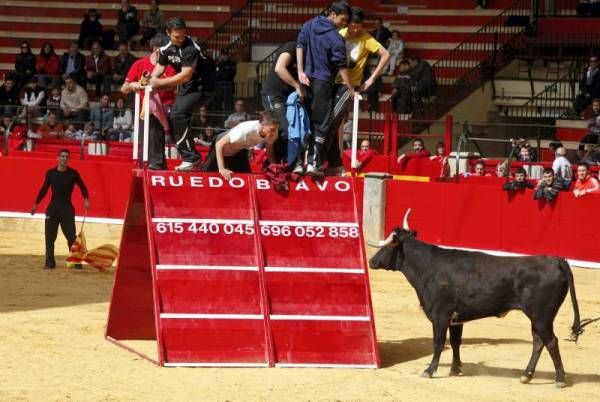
[[405, 223], [382, 243]]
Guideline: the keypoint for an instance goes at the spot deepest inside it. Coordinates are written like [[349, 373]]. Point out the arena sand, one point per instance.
[[52, 346]]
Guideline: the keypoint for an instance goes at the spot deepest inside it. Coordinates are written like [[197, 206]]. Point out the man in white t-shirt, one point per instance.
[[230, 152]]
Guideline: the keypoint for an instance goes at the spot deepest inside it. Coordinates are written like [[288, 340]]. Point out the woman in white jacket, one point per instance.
[[122, 123], [396, 49]]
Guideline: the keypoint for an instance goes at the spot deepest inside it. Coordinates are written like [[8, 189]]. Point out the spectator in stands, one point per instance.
[[363, 155], [47, 66], [522, 151], [34, 98], [136, 79], [205, 125], [593, 124], [53, 101], [419, 151], [381, 33], [562, 167], [98, 69], [592, 157], [402, 90], [585, 184], [207, 69], [10, 124], [520, 181], [153, 22], [88, 133], [501, 170], [224, 76], [70, 131], [128, 21], [589, 86], [121, 64], [52, 128], [24, 65], [480, 169], [9, 96], [480, 4], [73, 101], [396, 49], [441, 157], [73, 65], [102, 116], [230, 153], [423, 80], [90, 29], [588, 8], [238, 116], [122, 123], [374, 90], [549, 187]]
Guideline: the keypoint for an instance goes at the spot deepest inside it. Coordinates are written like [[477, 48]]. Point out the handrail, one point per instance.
[[495, 40], [264, 66]]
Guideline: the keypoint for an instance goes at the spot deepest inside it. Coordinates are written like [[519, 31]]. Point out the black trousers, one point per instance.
[[181, 114], [320, 96], [238, 163], [276, 104], [65, 217], [331, 151]]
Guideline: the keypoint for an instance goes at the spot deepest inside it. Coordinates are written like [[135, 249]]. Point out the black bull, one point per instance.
[[455, 286]]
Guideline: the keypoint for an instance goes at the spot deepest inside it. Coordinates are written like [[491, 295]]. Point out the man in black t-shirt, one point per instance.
[[280, 83], [183, 54], [60, 211]]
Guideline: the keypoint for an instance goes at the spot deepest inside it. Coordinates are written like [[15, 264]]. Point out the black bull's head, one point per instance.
[[390, 255]]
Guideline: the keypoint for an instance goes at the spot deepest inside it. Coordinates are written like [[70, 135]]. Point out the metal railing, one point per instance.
[[478, 58], [311, 8], [274, 21]]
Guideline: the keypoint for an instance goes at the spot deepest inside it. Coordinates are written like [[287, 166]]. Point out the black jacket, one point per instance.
[[79, 63], [591, 90], [25, 63]]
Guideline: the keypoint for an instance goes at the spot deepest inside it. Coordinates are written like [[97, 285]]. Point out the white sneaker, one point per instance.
[[312, 170], [186, 166], [299, 169]]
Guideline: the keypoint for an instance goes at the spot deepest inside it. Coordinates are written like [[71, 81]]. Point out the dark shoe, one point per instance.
[[49, 266], [77, 266]]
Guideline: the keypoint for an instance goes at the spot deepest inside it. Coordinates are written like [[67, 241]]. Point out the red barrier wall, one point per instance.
[[485, 217], [107, 182]]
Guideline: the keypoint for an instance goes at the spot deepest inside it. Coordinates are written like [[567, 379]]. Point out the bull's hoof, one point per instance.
[[426, 374], [456, 372], [525, 379], [560, 384]]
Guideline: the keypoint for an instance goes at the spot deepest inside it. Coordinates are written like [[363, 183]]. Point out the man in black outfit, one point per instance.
[[184, 55], [60, 211], [281, 81]]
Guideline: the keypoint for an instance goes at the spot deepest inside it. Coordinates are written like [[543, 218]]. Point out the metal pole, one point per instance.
[[354, 163], [136, 126], [148, 90]]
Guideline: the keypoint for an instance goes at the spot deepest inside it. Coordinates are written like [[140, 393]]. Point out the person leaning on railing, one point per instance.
[[519, 183], [549, 187], [585, 184]]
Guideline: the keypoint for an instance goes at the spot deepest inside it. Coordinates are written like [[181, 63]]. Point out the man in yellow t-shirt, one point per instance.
[[359, 46]]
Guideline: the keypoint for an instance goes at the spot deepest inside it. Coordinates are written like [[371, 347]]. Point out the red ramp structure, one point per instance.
[[236, 274]]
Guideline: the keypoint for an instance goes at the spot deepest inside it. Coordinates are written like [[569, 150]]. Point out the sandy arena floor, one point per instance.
[[52, 345]]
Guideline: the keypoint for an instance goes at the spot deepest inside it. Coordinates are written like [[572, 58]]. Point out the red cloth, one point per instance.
[[144, 65], [50, 66], [418, 154]]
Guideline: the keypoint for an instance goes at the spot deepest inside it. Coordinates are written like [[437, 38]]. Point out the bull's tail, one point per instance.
[[577, 328]]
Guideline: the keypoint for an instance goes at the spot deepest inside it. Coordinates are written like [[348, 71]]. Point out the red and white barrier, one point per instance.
[[235, 274]]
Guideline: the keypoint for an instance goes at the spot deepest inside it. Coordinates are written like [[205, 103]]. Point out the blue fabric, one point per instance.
[[298, 126], [324, 49]]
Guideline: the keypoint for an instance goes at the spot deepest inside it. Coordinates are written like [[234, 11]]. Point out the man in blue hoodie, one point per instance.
[[320, 54]]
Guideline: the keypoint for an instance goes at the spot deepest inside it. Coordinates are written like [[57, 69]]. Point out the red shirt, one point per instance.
[[144, 65], [590, 184], [361, 156]]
